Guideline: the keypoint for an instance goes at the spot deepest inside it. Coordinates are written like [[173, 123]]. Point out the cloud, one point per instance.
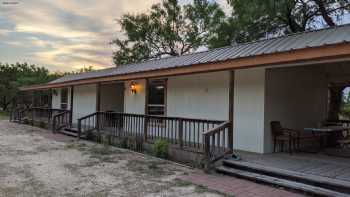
[[64, 34], [4, 32]]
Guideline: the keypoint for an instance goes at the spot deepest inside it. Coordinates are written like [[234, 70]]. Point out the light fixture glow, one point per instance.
[[133, 88]]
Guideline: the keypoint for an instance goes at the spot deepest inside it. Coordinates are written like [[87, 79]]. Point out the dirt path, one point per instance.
[[34, 162]]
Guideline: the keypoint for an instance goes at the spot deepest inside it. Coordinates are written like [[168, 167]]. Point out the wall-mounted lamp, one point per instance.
[[133, 88]]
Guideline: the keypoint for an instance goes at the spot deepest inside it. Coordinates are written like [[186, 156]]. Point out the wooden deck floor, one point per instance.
[[316, 164]]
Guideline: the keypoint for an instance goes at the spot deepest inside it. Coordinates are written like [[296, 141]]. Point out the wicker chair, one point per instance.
[[283, 135]]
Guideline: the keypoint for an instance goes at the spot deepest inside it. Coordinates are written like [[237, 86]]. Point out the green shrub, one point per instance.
[[42, 125], [161, 148]]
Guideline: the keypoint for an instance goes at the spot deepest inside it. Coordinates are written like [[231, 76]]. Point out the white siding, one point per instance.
[[199, 96], [135, 103], [249, 96], [84, 101], [56, 99], [295, 96]]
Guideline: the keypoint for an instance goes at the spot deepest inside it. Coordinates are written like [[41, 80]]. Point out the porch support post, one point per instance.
[[32, 111], [146, 119], [71, 106], [98, 105], [98, 97], [231, 106], [50, 98]]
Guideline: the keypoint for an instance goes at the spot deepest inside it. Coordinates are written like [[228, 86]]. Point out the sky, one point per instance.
[[64, 35]]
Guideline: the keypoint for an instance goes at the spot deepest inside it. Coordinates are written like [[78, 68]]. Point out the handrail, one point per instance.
[[87, 128], [168, 117], [87, 116], [217, 128], [60, 120], [216, 143]]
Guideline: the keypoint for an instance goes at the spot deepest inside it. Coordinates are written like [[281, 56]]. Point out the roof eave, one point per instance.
[[328, 52]]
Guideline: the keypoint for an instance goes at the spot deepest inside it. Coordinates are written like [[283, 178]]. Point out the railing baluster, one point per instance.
[[181, 133]]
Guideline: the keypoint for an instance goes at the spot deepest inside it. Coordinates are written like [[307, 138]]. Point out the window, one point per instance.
[[64, 98], [156, 97]]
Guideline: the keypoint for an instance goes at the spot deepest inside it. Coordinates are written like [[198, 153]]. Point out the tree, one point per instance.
[[13, 76], [168, 30], [256, 19]]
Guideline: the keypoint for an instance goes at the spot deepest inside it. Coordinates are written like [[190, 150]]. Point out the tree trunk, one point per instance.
[[324, 13]]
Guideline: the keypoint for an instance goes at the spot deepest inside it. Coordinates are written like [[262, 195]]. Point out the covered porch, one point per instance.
[[308, 100]]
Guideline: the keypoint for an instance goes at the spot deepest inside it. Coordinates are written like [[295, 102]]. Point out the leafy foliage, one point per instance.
[[161, 148], [257, 19], [168, 30], [345, 105], [13, 76], [171, 29]]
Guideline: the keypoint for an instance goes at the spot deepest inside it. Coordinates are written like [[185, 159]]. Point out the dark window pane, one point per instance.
[[156, 97], [64, 98]]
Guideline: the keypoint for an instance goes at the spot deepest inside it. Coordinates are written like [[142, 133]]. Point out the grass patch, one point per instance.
[[100, 150], [76, 145], [201, 189], [4, 115], [182, 183], [153, 168]]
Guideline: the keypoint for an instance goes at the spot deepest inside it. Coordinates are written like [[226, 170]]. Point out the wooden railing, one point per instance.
[[217, 142], [61, 120], [187, 133], [18, 114], [36, 115], [87, 123]]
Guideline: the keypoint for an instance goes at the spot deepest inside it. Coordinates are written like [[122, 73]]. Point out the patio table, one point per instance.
[[327, 129], [335, 133]]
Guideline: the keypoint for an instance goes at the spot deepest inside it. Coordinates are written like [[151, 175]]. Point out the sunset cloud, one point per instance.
[[64, 35]]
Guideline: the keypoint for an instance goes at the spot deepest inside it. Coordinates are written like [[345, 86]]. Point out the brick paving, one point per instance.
[[236, 187]]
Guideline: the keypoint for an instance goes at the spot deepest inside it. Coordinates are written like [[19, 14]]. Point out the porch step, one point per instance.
[[71, 129], [309, 189], [320, 181], [71, 132], [312, 183]]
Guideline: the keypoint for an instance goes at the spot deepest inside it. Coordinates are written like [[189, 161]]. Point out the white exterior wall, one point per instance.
[[295, 96], [56, 99], [203, 96], [84, 101], [135, 103], [249, 101]]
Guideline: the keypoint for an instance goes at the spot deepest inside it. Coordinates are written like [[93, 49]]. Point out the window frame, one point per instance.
[[164, 106], [64, 105]]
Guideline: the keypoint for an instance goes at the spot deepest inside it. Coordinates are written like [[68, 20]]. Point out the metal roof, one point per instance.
[[317, 38]]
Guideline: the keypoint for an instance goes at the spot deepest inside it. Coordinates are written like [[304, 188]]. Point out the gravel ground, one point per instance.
[[34, 162]]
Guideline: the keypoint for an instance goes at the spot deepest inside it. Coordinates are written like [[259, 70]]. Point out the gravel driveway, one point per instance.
[[34, 162]]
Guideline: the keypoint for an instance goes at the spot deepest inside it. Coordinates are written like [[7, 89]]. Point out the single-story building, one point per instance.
[[239, 89]]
